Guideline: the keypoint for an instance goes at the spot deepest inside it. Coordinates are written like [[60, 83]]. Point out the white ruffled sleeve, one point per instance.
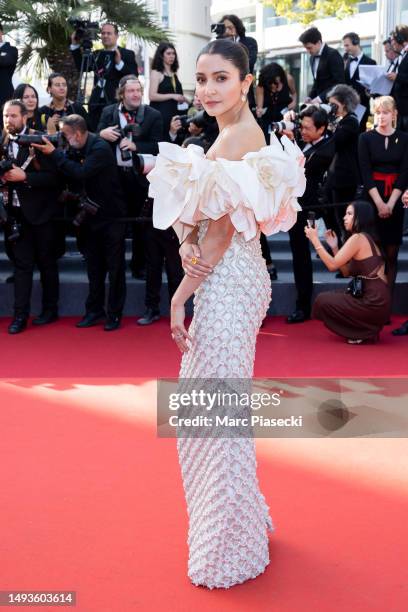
[[260, 191]]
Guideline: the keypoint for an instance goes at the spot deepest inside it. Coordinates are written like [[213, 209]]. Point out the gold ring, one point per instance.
[[194, 260]]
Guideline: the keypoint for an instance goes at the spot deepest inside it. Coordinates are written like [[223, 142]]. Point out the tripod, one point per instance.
[[87, 60]]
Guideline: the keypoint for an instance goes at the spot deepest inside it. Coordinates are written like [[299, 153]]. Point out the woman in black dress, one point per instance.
[[275, 92], [166, 91], [358, 319], [383, 156], [29, 97], [60, 105]]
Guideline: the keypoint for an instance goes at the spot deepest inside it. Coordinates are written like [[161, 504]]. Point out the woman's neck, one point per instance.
[[385, 131], [237, 113], [168, 70], [30, 114]]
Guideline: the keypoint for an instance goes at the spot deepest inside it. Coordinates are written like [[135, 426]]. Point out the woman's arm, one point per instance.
[[155, 80], [292, 89], [342, 257], [213, 246]]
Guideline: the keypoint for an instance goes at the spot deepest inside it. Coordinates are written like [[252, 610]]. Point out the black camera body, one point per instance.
[[14, 232], [87, 207], [26, 140], [218, 29], [85, 31], [133, 130], [5, 166]]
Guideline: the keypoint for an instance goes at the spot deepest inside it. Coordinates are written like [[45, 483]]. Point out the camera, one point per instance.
[[85, 31], [26, 140], [218, 29], [5, 166], [131, 130], [279, 126], [200, 119], [144, 163], [3, 212], [87, 207]]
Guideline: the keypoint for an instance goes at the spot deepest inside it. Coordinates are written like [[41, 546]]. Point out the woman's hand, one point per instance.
[[405, 198], [311, 233], [331, 239], [179, 98], [384, 210], [191, 261], [259, 112], [178, 331]]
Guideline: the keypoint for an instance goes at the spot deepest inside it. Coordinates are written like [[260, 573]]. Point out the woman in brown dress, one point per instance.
[[358, 319]]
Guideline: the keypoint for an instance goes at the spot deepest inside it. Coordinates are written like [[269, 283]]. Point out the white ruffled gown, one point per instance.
[[228, 515]]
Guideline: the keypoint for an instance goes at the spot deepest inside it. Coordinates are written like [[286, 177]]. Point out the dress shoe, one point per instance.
[[90, 319], [299, 316], [47, 316], [112, 323], [17, 325], [150, 316], [401, 331]]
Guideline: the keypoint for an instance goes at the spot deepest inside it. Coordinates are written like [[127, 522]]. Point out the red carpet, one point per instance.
[[91, 500]]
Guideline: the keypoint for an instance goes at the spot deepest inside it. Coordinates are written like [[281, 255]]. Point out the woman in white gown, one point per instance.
[[218, 205]]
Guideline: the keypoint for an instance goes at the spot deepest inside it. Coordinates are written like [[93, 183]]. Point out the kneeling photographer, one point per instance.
[[318, 148], [133, 131], [31, 193], [94, 170]]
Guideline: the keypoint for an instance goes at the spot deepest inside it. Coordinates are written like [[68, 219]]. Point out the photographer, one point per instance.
[[200, 126], [60, 105], [8, 62], [32, 193], [109, 66], [318, 149], [132, 128], [94, 169], [343, 177]]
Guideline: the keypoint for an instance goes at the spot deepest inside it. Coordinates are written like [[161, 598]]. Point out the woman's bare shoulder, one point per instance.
[[240, 139]]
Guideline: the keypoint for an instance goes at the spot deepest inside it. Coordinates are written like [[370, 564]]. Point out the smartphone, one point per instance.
[[311, 219]]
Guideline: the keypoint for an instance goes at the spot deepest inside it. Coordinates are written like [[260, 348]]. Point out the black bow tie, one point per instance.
[[353, 59]]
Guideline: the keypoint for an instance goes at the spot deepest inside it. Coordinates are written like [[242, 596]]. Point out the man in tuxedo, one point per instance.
[[326, 64], [356, 58], [90, 164], [32, 204], [8, 62], [391, 55], [399, 91], [318, 149], [147, 126], [109, 65]]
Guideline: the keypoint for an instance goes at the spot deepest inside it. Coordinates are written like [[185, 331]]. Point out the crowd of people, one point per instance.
[[93, 163]]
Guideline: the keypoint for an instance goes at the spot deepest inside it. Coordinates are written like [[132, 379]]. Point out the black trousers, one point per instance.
[[37, 245], [302, 263], [135, 196], [266, 254], [105, 254], [162, 247]]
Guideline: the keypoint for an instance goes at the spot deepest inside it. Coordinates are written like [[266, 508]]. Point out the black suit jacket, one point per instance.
[[97, 173], [252, 46], [8, 61], [38, 196], [330, 72], [354, 80], [112, 75], [344, 171], [317, 162], [400, 88]]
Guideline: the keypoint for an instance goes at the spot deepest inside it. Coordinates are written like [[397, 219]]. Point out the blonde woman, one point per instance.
[[383, 156]]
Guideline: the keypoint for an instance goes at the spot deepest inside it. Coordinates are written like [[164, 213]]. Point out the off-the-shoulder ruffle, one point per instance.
[[261, 190]]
